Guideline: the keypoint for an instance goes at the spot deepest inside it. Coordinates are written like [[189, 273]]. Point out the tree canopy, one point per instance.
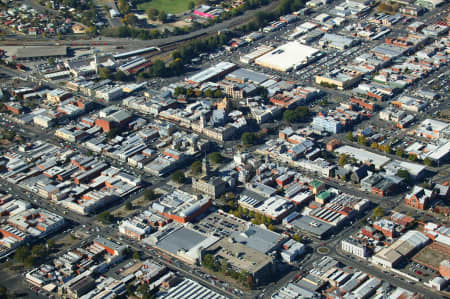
[[178, 177], [249, 138], [216, 158], [296, 115]]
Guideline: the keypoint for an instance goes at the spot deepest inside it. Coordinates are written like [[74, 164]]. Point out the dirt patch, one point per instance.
[[431, 256], [138, 203], [180, 24]]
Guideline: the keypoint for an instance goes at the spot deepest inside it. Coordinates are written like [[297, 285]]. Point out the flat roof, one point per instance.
[[312, 225], [212, 72], [288, 56], [363, 155], [181, 239], [258, 238], [242, 74], [241, 256], [33, 52]]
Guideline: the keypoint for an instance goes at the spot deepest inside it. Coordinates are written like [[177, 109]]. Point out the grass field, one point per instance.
[[169, 6]]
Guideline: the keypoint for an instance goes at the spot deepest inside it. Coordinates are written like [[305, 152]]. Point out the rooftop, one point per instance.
[[288, 56]]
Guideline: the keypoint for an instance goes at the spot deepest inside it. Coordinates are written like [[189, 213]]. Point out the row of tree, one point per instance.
[[255, 218], [387, 148], [191, 92], [29, 255]]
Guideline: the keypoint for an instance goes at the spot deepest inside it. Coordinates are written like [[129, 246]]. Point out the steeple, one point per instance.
[[205, 166]]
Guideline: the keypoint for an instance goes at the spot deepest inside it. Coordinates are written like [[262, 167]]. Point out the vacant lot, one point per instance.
[[169, 6], [138, 203], [431, 256]]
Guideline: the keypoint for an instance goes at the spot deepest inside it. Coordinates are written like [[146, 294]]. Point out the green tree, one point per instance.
[[208, 93], [362, 140], [152, 13], [123, 6], [51, 244], [128, 205], [343, 159], [196, 167], [162, 16], [105, 217], [218, 93], [378, 212], [296, 237], [208, 261], [29, 261], [296, 115], [112, 133], [105, 73], [349, 136], [412, 157], [136, 256], [404, 174], [179, 90], [178, 177], [249, 138], [149, 195], [120, 76], [21, 254], [216, 158], [190, 92], [38, 250], [144, 291], [224, 266], [428, 162], [400, 152]]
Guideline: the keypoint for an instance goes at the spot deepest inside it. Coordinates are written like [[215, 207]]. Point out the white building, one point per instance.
[[292, 250], [355, 248], [291, 55]]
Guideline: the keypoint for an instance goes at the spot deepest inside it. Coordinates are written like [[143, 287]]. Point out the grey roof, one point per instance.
[[248, 75], [304, 223], [183, 238], [120, 115], [259, 239], [31, 52]]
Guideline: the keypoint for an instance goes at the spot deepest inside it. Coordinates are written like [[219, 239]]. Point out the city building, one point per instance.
[[419, 198], [241, 257], [181, 206], [292, 250], [290, 56], [355, 247], [406, 245]]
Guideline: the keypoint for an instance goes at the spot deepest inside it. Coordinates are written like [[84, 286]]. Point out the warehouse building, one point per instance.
[[30, 53], [212, 73], [289, 56], [406, 245]]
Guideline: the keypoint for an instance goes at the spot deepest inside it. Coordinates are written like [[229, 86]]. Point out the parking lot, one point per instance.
[[222, 225]]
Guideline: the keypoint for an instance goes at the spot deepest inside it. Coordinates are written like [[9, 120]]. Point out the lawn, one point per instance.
[[169, 6]]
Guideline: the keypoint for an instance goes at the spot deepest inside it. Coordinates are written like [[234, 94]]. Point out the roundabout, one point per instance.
[[323, 250]]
